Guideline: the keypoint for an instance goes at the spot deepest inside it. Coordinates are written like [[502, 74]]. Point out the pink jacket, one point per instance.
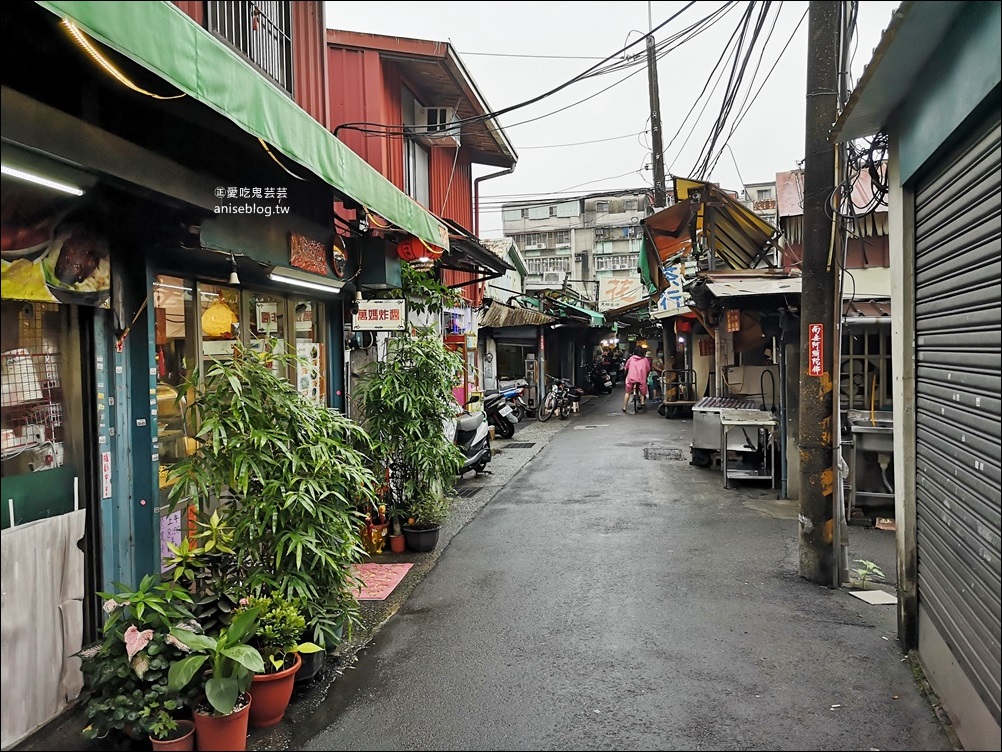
[[637, 369]]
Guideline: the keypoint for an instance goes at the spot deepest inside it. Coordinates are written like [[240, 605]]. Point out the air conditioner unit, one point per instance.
[[601, 233], [535, 246], [554, 278], [562, 245], [437, 126]]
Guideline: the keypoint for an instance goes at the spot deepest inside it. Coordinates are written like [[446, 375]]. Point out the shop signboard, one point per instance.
[[616, 292], [379, 316]]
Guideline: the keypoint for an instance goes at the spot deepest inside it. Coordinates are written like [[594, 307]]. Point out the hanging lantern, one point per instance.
[[414, 249]]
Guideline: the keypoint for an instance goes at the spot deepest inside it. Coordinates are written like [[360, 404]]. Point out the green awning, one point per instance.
[[159, 37], [595, 318]]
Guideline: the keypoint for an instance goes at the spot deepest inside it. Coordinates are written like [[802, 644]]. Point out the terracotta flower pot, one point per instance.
[[398, 543], [218, 733], [181, 739], [272, 693]]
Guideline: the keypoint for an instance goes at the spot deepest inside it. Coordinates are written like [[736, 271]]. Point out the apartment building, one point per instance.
[[587, 245]]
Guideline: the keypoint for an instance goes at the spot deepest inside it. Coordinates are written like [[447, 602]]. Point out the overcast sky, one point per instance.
[[515, 51]]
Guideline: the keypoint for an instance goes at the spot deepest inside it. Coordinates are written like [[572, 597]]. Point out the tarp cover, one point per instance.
[[161, 38]]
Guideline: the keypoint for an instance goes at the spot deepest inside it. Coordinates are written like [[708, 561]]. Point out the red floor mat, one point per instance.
[[379, 579]]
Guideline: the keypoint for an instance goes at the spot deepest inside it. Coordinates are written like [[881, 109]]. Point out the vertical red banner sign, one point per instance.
[[816, 343]]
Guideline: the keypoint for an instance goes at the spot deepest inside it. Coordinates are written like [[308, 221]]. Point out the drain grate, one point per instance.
[[520, 445], [661, 453], [468, 491]]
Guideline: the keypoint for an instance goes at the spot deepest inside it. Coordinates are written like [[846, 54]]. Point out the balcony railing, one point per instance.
[[261, 30]]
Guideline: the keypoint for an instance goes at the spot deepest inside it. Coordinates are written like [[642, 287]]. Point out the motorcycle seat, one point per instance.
[[469, 422]]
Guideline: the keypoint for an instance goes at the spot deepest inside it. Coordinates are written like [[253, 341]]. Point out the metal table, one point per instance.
[[763, 422]]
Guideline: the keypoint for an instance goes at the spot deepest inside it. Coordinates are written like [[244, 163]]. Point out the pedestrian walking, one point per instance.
[[657, 367]]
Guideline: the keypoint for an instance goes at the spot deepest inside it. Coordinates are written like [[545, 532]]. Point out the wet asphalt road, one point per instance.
[[602, 600]]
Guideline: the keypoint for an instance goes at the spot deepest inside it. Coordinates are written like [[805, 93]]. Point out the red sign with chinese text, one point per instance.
[[815, 349]]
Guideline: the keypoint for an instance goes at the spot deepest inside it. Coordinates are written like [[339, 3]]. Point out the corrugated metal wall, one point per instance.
[[355, 95], [452, 189], [309, 82], [194, 9], [958, 483]]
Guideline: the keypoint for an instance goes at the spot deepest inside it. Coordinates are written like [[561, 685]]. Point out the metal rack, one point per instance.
[[764, 423]]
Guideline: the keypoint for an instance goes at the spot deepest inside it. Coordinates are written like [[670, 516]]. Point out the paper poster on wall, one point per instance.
[[309, 370], [170, 532]]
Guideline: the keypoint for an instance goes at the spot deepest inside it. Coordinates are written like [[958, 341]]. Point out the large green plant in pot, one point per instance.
[[408, 405], [287, 474]]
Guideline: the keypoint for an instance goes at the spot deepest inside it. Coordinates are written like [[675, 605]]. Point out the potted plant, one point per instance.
[[408, 402], [168, 733], [125, 674], [427, 513], [279, 627], [285, 474], [221, 720]]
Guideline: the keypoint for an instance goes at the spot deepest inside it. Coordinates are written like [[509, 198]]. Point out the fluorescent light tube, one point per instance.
[[304, 279], [30, 177]]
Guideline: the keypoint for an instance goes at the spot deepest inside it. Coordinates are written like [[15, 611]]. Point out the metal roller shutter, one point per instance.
[[958, 484]]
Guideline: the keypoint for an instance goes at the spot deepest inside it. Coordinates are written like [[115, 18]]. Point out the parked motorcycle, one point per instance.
[[500, 414], [471, 435], [598, 380], [514, 393]]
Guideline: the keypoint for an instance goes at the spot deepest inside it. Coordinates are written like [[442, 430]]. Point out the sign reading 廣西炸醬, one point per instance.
[[379, 316]]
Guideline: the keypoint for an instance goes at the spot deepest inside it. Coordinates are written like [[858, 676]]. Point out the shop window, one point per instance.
[[219, 320], [41, 413]]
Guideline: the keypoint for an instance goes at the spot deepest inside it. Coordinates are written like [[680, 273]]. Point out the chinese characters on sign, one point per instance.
[[733, 320], [379, 315], [816, 339], [616, 292], [673, 297]]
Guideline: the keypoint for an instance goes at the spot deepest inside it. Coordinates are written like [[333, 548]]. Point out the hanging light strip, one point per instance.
[[81, 39]]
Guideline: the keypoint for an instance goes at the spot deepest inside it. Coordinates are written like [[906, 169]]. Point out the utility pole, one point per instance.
[[657, 155], [817, 331]]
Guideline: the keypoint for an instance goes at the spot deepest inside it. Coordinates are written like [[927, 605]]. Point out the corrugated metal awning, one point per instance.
[[161, 38], [499, 315], [736, 235]]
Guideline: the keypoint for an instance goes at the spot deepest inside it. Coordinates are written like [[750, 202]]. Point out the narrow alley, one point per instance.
[[604, 600]]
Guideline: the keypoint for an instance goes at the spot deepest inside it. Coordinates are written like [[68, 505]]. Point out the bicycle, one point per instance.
[[636, 399], [557, 400]]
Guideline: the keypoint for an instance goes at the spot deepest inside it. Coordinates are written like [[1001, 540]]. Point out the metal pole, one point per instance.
[[817, 477]]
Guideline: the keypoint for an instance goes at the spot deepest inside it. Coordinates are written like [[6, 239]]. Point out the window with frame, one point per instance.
[[763, 194], [548, 264], [602, 207], [260, 30], [417, 157], [616, 263]]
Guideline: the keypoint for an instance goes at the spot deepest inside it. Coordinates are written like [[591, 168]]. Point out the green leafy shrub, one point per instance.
[[408, 403], [125, 674], [280, 626], [286, 474]]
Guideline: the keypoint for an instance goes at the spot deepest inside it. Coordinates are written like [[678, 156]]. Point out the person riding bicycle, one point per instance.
[[637, 369]]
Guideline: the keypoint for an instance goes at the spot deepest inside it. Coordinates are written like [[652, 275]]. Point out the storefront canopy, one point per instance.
[[159, 37], [501, 316], [467, 254], [708, 217]]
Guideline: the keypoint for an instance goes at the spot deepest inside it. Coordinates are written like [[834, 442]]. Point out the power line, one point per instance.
[[406, 131], [533, 57], [582, 143]]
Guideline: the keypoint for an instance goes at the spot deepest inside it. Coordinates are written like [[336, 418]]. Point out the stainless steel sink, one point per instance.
[[872, 432]]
